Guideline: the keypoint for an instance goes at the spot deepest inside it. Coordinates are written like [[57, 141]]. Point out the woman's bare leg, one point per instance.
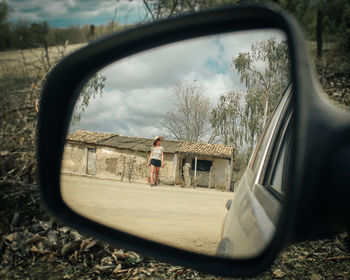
[[157, 174], [152, 174]]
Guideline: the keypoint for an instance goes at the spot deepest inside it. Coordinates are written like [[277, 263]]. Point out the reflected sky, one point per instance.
[[138, 89]]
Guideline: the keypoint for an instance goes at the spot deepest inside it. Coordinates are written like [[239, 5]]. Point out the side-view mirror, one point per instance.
[[229, 87]]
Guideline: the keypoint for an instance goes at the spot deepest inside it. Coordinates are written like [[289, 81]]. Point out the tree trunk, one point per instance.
[[319, 33], [46, 47], [265, 112]]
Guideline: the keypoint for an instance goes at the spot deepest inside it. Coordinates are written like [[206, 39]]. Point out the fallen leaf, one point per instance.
[[64, 229], [132, 257], [51, 239], [34, 249], [75, 235], [279, 273], [45, 225], [87, 244], [301, 258], [34, 239], [316, 277], [10, 237], [118, 268], [70, 247]]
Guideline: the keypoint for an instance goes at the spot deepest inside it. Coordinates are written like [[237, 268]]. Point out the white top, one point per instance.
[[157, 152]]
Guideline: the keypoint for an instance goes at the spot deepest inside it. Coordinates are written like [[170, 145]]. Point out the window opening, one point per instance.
[[202, 165]]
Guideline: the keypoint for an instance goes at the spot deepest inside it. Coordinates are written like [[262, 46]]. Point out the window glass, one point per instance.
[[277, 176], [262, 148], [202, 165]]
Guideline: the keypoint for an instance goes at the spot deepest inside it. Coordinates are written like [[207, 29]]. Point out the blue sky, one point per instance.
[[62, 13]]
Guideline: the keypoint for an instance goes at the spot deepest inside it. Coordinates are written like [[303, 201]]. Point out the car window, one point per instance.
[[280, 165], [278, 161], [260, 155], [277, 176]]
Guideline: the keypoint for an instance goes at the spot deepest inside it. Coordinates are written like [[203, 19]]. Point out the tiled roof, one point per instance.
[[139, 144], [144, 144], [88, 137], [206, 150]]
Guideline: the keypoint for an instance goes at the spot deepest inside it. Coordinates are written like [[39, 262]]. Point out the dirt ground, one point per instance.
[[33, 246], [183, 217]]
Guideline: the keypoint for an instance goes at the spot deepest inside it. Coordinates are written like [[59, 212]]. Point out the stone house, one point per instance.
[[112, 156]]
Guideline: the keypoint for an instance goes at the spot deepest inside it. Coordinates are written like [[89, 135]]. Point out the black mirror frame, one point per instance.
[[65, 81]]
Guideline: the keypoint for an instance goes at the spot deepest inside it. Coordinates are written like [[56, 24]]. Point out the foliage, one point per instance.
[[71, 34], [240, 117], [305, 13], [92, 88], [241, 158], [263, 85], [158, 9], [4, 25], [337, 22], [18, 109], [22, 73], [190, 118], [335, 14], [335, 17], [226, 118], [26, 35]]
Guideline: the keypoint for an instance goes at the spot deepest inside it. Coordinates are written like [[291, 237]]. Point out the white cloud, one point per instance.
[[137, 89], [71, 3], [165, 66], [72, 12], [54, 8]]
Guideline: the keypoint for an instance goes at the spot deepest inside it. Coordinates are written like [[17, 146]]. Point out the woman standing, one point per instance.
[[156, 159]]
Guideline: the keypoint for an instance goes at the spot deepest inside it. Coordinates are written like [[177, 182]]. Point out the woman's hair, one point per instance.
[[155, 141], [157, 138]]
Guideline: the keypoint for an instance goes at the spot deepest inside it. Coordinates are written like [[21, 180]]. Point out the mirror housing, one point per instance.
[[302, 216]]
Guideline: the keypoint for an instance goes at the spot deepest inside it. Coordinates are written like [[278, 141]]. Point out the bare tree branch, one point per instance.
[[149, 9], [190, 119]]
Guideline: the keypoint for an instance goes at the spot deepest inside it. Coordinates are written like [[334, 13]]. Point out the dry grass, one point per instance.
[[31, 62], [21, 75]]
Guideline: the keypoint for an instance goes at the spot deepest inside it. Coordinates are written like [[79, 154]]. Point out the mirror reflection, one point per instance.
[[159, 143]]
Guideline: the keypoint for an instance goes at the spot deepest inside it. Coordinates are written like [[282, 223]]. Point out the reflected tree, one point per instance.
[[240, 116], [190, 119], [265, 70], [227, 118], [93, 88]]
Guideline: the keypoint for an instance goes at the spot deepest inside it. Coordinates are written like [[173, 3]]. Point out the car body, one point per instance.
[[254, 210]]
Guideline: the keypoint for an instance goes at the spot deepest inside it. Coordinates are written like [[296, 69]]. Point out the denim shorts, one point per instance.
[[156, 162]]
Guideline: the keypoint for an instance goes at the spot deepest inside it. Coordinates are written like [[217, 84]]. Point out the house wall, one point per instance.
[[74, 159], [220, 173], [126, 165], [217, 178], [112, 163]]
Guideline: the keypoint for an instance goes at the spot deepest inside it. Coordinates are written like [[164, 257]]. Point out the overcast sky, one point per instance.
[[137, 89], [62, 13]]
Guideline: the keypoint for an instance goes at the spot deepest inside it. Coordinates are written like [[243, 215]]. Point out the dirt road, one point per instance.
[[185, 218]]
